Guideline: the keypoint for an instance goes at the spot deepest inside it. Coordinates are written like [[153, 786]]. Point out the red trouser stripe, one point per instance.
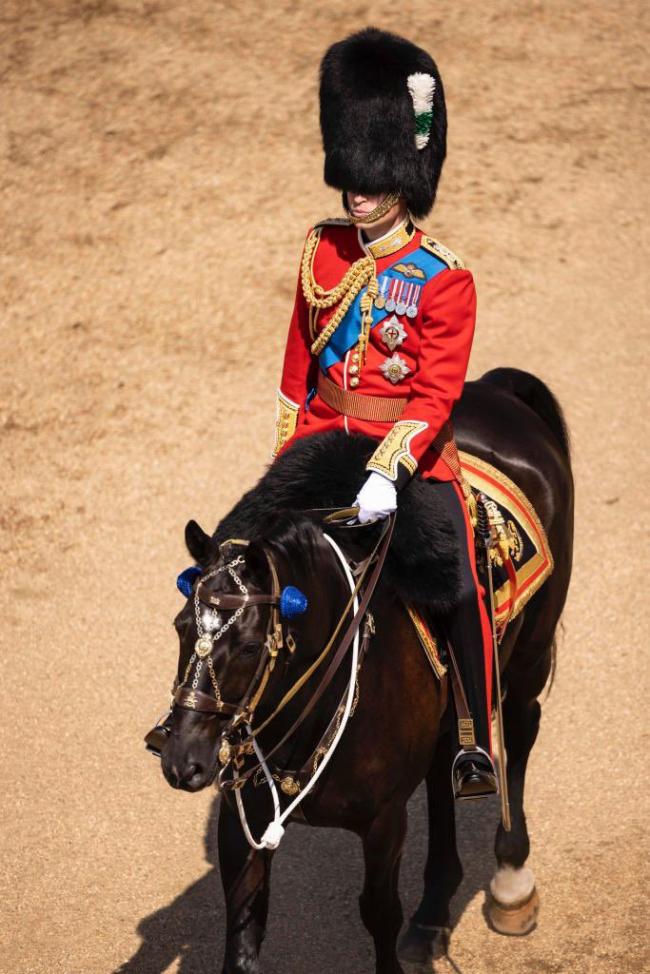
[[486, 629]]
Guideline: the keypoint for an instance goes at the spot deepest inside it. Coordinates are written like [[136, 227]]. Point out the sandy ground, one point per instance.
[[161, 164]]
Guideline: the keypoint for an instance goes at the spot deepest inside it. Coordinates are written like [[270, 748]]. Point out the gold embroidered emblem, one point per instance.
[[286, 420], [443, 253], [515, 542], [410, 270], [190, 700], [394, 448]]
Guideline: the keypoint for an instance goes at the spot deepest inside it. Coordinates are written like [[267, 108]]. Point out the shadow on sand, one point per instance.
[[314, 910]]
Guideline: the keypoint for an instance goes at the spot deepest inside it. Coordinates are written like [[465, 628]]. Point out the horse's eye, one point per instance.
[[249, 649]]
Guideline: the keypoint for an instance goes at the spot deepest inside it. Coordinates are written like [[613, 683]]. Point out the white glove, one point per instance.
[[376, 499]]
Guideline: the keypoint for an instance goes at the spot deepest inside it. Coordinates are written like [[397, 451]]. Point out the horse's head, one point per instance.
[[252, 619]]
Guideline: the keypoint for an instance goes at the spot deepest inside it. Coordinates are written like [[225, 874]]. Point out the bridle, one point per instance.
[[234, 743], [189, 697]]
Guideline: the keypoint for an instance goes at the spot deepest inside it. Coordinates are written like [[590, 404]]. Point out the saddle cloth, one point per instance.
[[518, 577], [530, 554]]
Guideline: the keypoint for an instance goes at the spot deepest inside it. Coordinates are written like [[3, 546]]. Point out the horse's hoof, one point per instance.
[[421, 945], [516, 919]]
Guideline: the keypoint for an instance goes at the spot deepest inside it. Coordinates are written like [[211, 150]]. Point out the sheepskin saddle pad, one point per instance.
[[327, 470]]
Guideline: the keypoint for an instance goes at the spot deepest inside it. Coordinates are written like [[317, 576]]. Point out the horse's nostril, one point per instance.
[[191, 771]]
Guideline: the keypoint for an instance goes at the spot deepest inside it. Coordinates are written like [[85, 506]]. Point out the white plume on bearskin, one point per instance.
[[422, 86]]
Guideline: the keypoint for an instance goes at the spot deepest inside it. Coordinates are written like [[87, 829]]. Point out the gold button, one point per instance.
[[353, 369], [355, 356], [354, 381]]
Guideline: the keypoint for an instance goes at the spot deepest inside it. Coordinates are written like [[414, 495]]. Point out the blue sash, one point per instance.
[[347, 333]]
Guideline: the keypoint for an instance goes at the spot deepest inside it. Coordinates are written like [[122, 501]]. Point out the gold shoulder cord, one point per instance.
[[357, 276], [360, 274]]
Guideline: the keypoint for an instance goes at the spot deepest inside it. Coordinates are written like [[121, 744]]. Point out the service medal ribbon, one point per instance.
[[414, 300]]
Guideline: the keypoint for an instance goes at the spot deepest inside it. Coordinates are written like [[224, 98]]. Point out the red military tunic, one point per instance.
[[432, 351], [434, 348]]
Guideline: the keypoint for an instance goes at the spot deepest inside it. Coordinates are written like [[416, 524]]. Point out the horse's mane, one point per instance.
[[327, 470]]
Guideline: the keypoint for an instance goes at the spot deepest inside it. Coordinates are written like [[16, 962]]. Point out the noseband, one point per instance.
[[190, 697]]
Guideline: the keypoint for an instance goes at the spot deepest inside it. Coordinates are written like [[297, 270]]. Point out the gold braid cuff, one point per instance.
[[286, 420], [395, 448]]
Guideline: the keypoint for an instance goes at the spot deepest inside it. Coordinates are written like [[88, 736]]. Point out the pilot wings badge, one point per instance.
[[410, 270]]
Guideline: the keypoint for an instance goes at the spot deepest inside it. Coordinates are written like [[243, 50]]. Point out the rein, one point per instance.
[[243, 713], [286, 603], [380, 550]]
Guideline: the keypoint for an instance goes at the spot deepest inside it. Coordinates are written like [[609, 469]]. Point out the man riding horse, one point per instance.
[[382, 326]]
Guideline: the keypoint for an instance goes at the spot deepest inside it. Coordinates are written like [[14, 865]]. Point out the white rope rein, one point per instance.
[[275, 830]]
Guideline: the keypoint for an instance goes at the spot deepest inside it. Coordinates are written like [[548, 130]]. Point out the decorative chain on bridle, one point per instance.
[[284, 603], [205, 643]]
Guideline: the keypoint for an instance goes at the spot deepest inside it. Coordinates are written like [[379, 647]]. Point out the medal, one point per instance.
[[390, 299], [380, 300], [414, 298], [392, 333], [394, 368], [400, 307]]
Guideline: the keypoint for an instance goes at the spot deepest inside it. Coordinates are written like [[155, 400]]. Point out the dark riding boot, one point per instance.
[[473, 773]]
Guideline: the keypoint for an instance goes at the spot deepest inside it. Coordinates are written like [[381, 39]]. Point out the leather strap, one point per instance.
[[337, 659], [380, 409], [460, 699], [231, 600], [466, 734], [307, 769], [202, 702]]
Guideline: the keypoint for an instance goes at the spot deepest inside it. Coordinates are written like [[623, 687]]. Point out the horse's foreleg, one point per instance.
[[427, 933], [514, 902], [381, 910], [245, 876]]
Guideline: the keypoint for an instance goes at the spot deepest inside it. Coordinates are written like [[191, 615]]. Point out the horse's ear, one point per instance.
[[199, 544]]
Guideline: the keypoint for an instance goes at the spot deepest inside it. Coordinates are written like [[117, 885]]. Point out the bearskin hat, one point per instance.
[[383, 118]]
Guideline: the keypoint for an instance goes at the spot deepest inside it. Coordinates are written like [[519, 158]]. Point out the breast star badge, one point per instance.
[[392, 332], [394, 368]]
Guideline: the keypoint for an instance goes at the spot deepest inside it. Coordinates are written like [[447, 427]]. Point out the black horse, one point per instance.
[[399, 733]]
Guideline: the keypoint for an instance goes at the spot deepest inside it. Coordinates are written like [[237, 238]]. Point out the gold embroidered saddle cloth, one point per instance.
[[521, 561]]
